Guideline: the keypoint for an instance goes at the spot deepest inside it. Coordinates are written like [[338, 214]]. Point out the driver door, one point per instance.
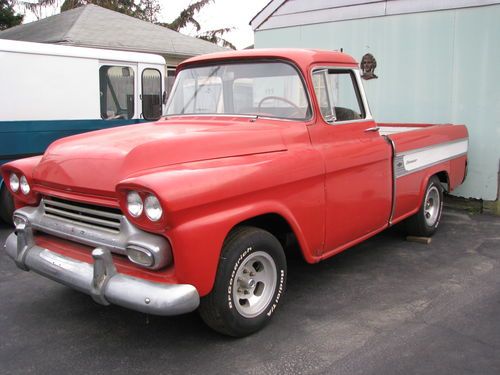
[[357, 160]]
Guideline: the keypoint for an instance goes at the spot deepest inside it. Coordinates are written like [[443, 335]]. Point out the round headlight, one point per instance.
[[25, 187], [134, 204], [14, 182], [153, 208]]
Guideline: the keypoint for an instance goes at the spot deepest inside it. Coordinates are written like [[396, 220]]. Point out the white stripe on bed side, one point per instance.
[[414, 160]]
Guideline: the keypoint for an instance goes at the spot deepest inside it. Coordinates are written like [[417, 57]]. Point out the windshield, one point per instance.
[[269, 89]]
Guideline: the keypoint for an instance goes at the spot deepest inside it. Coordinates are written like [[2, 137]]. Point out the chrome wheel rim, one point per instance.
[[432, 206], [254, 284]]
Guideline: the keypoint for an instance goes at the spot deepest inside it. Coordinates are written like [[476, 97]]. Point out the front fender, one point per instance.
[[203, 201]]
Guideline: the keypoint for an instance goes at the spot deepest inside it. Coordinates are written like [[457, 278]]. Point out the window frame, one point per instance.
[[142, 94], [358, 89], [310, 112]]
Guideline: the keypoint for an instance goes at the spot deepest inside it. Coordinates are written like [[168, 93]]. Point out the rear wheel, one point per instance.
[[6, 205], [425, 222], [249, 284]]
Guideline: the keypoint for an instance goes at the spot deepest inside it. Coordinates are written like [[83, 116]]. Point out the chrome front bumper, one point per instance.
[[100, 280]]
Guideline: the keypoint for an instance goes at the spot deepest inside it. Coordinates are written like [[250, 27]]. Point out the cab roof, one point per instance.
[[302, 57]]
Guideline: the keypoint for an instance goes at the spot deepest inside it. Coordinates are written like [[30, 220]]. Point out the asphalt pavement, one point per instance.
[[386, 306]]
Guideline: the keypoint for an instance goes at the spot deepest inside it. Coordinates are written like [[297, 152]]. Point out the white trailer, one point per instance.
[[52, 91]]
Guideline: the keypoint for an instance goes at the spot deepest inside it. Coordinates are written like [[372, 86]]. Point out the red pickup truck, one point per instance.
[[258, 149]]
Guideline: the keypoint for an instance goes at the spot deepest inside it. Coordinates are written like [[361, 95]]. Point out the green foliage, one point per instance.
[[8, 17], [138, 9], [37, 7], [187, 16], [215, 36]]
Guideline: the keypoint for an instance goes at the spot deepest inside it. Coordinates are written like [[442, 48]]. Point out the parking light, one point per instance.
[[140, 256]]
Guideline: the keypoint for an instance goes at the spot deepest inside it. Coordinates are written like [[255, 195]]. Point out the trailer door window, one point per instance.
[[151, 94], [117, 92]]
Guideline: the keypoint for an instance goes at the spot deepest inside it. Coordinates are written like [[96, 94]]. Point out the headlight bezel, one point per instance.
[[143, 222]]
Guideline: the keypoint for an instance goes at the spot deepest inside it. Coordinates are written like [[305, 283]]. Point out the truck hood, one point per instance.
[[99, 160]]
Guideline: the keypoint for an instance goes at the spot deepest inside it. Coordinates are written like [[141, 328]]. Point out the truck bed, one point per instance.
[[422, 150]]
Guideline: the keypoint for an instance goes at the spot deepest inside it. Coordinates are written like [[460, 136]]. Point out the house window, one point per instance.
[[151, 94], [117, 92]]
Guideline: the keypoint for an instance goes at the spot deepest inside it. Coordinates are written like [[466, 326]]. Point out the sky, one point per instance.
[[215, 15]]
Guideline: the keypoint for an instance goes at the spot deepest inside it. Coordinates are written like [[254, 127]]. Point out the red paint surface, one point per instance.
[[331, 183]]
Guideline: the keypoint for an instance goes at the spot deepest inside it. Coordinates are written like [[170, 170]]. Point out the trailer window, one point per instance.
[[117, 92], [151, 94]]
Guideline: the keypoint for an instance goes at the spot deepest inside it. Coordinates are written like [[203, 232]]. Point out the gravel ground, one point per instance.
[[386, 306]]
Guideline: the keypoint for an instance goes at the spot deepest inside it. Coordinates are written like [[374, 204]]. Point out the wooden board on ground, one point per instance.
[[424, 240]]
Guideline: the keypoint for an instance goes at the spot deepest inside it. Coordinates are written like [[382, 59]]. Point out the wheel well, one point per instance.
[[277, 226], [444, 179]]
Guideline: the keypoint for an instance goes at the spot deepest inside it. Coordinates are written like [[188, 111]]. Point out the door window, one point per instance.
[[117, 92], [151, 94], [338, 95]]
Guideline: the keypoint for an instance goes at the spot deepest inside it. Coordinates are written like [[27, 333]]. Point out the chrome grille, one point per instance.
[[97, 217]]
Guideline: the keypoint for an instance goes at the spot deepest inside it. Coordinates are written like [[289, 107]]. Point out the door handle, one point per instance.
[[374, 129]]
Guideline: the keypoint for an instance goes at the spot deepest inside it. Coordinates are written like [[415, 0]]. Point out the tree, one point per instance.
[[151, 10], [128, 7], [8, 17], [186, 17], [215, 36], [40, 8]]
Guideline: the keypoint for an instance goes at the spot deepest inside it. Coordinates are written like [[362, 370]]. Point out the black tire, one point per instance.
[[224, 309], [6, 205], [423, 223]]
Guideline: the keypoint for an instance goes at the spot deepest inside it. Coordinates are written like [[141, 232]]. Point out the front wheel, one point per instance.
[[425, 222], [249, 284]]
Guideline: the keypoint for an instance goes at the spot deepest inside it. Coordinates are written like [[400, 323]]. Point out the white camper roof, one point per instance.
[[82, 52]]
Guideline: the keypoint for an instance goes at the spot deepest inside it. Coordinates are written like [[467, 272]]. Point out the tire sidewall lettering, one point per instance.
[[278, 294]]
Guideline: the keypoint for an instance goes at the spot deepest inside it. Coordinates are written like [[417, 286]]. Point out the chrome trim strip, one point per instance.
[[393, 203], [88, 219], [100, 280], [97, 237], [82, 209]]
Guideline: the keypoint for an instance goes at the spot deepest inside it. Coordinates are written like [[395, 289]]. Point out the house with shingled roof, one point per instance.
[[97, 27]]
